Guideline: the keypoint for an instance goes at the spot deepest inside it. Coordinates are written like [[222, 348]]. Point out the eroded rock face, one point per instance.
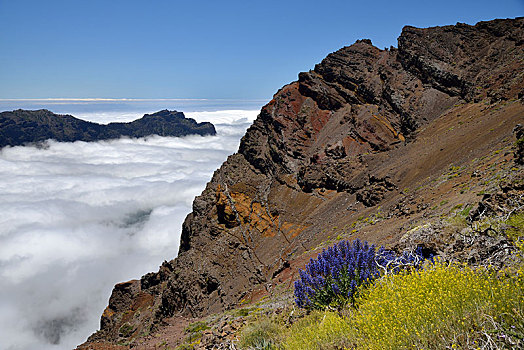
[[328, 147], [472, 62]]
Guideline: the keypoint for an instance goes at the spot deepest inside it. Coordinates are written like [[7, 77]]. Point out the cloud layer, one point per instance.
[[79, 217]]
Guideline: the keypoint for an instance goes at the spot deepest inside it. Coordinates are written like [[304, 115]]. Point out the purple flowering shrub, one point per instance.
[[334, 277]]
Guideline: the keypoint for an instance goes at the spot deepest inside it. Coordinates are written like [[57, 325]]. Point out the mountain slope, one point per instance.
[[21, 127], [368, 144]]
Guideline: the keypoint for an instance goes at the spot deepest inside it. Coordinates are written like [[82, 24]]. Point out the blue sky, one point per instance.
[[197, 49]]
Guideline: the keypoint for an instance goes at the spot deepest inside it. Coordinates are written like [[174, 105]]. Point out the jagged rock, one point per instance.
[[22, 127], [463, 60], [336, 151], [374, 190], [475, 245], [479, 248], [426, 236], [510, 195], [519, 152]]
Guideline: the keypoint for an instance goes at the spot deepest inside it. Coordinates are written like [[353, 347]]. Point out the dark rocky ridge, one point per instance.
[[21, 127], [349, 139]]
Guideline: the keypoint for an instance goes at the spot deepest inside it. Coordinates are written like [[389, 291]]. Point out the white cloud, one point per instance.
[[79, 217]]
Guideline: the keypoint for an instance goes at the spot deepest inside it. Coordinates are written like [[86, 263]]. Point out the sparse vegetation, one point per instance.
[[185, 346], [264, 333], [194, 330], [515, 226], [243, 312], [126, 330], [195, 327], [457, 219]]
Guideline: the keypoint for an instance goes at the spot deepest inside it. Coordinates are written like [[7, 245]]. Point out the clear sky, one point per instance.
[[197, 49]]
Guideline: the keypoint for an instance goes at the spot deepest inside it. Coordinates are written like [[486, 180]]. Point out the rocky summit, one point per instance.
[[372, 144], [22, 127]]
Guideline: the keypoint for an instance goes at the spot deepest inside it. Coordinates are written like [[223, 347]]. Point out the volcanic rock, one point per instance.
[[519, 152]]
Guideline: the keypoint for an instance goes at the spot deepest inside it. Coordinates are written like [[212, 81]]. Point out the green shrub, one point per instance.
[[126, 330], [195, 330], [243, 312], [458, 219], [261, 334], [515, 226], [196, 327]]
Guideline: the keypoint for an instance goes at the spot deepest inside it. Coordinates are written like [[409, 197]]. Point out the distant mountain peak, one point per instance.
[[20, 127]]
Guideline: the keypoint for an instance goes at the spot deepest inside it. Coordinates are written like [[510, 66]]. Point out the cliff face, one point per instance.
[[22, 127], [364, 137]]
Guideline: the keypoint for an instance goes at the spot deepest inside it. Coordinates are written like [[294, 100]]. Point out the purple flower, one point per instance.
[[340, 270]]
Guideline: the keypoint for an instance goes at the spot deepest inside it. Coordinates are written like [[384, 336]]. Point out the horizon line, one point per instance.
[[125, 99]]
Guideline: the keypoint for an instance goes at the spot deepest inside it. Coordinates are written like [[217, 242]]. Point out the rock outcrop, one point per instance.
[[519, 145], [22, 127], [361, 146]]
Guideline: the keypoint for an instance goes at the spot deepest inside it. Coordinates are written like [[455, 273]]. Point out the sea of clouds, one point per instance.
[[76, 218]]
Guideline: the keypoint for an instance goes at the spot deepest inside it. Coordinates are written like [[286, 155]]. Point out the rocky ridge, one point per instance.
[[368, 145], [22, 127]]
